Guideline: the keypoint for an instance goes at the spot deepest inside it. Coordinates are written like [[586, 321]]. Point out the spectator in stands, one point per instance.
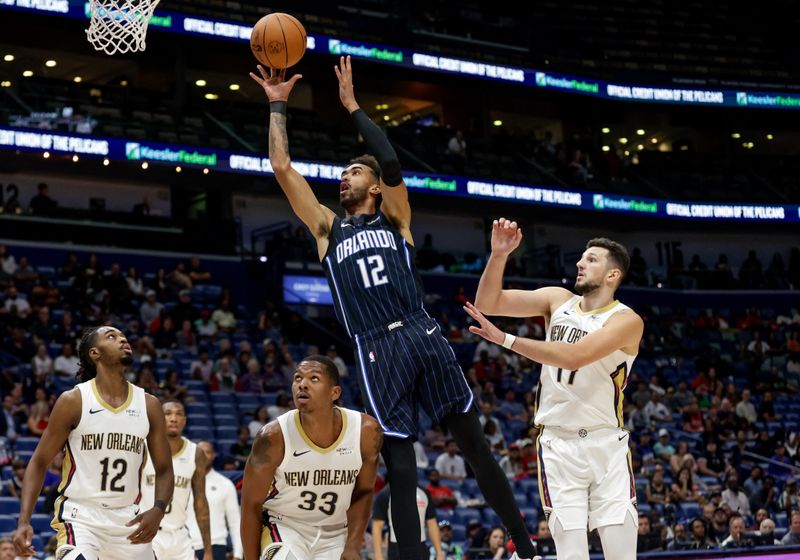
[[135, 284], [197, 272], [428, 258], [283, 404], [512, 462], [19, 347], [171, 388], [647, 539], [779, 458], [451, 550], [41, 204], [751, 272], [755, 482], [142, 208], [165, 337], [655, 411], [712, 461], [766, 410], [767, 529], [337, 360], [684, 487], [67, 330], [641, 396], [223, 317], [146, 379], [242, 447], [224, 375], [67, 363], [693, 417], [528, 458], [745, 409], [441, 496], [252, 380], [205, 326], [42, 364], [656, 489], [40, 329], [790, 499], [733, 495], [8, 264], [117, 286], [14, 484], [9, 422], [736, 529], [793, 536], [151, 309], [450, 464], [178, 278], [767, 497], [494, 437], [487, 413], [679, 539], [185, 338], [15, 304], [493, 546], [260, 419], [775, 276], [457, 151], [637, 273], [718, 529], [203, 367], [39, 415], [681, 458], [512, 410]]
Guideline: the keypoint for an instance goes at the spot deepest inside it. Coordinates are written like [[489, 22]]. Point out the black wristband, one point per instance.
[[160, 504], [277, 107]]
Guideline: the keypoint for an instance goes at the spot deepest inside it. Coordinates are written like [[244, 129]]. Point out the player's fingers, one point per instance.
[[258, 80], [294, 79], [136, 520], [338, 74], [476, 330], [264, 73], [495, 224], [513, 225]]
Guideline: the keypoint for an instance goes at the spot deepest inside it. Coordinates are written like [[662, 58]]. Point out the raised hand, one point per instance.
[[347, 95], [506, 236], [485, 328], [275, 85]]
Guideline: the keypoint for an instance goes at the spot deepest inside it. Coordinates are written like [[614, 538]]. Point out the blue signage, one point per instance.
[[182, 23], [155, 153]]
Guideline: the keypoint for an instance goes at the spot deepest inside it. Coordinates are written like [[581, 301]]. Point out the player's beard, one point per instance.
[[126, 360], [353, 199], [586, 287]]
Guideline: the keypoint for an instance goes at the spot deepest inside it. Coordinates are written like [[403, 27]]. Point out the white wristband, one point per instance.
[[509, 340]]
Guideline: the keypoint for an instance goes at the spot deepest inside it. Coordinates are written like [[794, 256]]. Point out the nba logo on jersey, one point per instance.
[[372, 357]]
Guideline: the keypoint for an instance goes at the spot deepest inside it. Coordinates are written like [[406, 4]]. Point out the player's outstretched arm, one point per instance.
[[201, 513], [304, 203], [259, 475], [395, 204], [622, 331], [361, 502], [492, 299], [64, 418], [147, 521]]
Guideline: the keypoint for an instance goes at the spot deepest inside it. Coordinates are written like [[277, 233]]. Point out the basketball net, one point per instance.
[[119, 26]]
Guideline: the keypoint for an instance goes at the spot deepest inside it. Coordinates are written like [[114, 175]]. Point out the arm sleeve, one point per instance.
[[232, 518], [380, 147], [430, 510]]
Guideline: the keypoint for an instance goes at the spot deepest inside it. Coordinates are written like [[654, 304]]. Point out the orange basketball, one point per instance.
[[278, 40]]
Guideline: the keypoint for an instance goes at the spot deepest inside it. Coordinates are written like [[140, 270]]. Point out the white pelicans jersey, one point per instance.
[[104, 453], [314, 485], [590, 397], [183, 466]]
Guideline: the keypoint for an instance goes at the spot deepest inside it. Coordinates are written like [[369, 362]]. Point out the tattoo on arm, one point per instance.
[[259, 455], [378, 440], [278, 139]]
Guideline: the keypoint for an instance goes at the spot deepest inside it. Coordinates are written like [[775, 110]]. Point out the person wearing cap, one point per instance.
[[663, 449], [451, 550], [587, 358], [151, 309]]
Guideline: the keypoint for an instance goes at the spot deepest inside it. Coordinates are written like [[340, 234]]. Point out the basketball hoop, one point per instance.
[[119, 26]]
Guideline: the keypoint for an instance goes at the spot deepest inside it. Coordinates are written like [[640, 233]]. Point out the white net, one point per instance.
[[119, 26]]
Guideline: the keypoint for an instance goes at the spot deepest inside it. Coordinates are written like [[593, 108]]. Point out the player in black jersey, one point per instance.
[[404, 361]]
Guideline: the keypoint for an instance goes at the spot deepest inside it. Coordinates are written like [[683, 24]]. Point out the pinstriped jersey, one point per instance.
[[372, 273], [312, 484], [589, 397], [104, 453]]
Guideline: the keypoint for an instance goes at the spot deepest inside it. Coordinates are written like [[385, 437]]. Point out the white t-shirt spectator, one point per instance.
[[67, 366], [135, 285], [42, 365], [492, 349], [225, 320], [150, 312], [738, 501], [22, 305], [763, 345], [451, 467], [9, 265], [205, 368], [457, 147], [656, 411], [746, 410]]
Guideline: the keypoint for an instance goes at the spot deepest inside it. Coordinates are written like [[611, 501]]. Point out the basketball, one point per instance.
[[278, 40]]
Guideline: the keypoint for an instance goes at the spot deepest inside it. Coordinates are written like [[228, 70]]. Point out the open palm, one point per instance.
[[275, 84]]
